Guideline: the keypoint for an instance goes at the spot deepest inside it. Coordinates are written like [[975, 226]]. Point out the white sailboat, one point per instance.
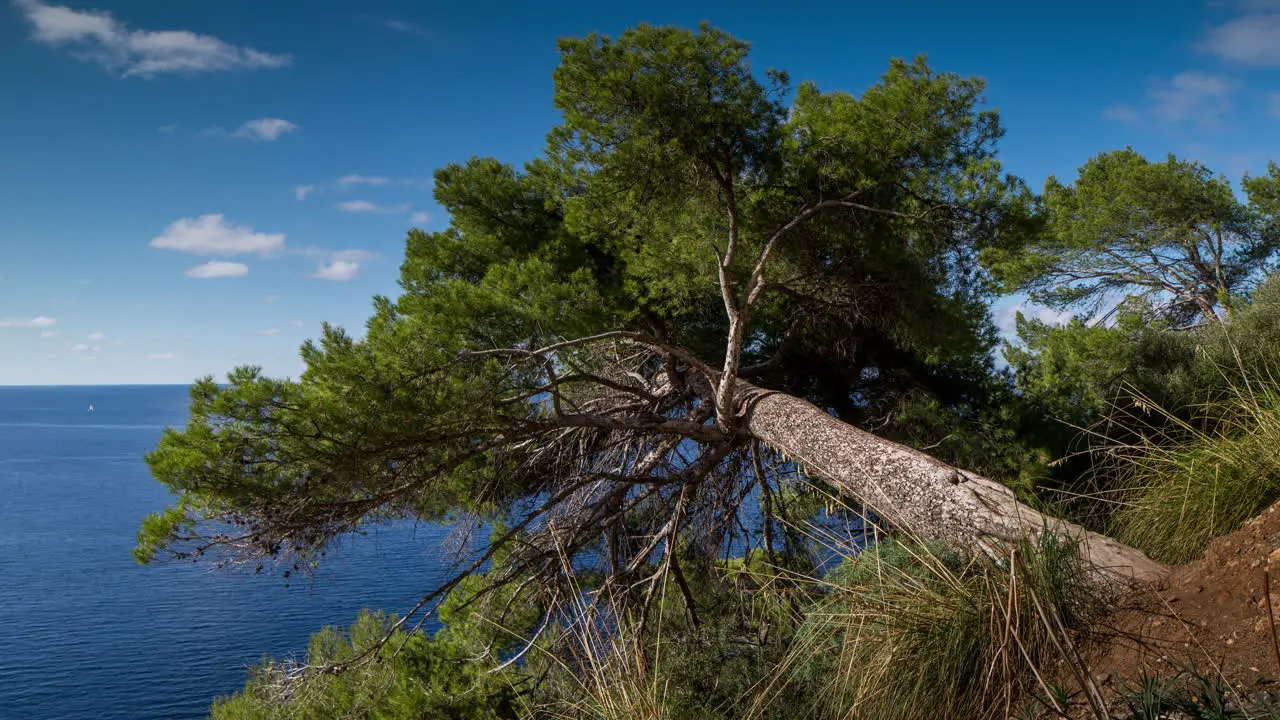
[[90, 407]]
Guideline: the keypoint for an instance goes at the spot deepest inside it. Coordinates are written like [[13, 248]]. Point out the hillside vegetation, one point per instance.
[[719, 372]]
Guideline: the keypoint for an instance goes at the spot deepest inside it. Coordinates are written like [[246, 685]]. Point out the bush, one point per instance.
[[913, 631], [411, 676], [1185, 484]]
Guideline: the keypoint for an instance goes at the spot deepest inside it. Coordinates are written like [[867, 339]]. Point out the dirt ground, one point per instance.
[[1212, 616]]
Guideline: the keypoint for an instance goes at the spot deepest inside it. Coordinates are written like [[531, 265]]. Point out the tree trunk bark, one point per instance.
[[923, 495]]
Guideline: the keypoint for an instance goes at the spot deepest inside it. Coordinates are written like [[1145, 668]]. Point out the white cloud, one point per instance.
[[212, 235], [337, 265], [337, 270], [266, 129], [82, 348], [1193, 95], [364, 206], [97, 335], [1006, 318], [269, 331], [349, 180], [162, 356], [348, 255], [98, 37], [1250, 40], [218, 269], [269, 298], [404, 27], [35, 322], [50, 334], [169, 129], [297, 323], [419, 218]]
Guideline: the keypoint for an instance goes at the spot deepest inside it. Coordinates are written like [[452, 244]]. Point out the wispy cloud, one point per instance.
[[342, 184], [349, 180], [49, 334], [297, 323], [269, 331], [35, 322], [96, 36], [1253, 39], [1188, 97], [1122, 113], [264, 129], [83, 348], [1193, 95], [218, 269], [162, 356], [404, 27], [419, 218], [364, 206], [213, 235], [269, 298], [97, 335]]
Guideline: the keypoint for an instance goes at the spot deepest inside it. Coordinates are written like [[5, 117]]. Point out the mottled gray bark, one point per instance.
[[921, 494]]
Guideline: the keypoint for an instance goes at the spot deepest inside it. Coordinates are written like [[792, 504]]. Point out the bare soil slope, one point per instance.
[[1213, 614]]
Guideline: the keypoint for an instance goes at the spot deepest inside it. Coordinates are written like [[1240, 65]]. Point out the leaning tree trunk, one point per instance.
[[921, 494]]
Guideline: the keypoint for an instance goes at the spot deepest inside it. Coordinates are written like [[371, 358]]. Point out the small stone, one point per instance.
[[1231, 641], [1274, 558]]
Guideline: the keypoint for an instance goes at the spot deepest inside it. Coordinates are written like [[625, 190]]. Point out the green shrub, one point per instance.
[[913, 631], [411, 676], [1186, 484]]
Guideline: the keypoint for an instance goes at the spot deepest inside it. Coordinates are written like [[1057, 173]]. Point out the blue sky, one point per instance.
[[185, 187]]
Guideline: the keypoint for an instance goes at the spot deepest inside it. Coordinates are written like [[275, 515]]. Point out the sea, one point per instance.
[[86, 632]]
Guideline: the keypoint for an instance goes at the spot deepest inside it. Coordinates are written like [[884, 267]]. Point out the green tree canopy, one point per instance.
[[1078, 372], [566, 357], [1170, 232]]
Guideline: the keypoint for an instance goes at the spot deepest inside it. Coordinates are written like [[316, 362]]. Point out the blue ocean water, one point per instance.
[[88, 633]]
